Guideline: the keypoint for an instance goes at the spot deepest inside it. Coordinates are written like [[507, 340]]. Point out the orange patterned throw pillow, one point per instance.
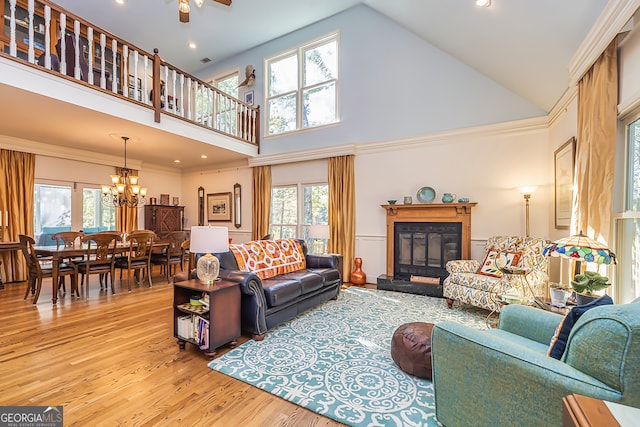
[[269, 258], [495, 260]]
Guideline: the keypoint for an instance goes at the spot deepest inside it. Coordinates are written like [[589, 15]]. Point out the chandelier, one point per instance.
[[124, 189], [184, 8]]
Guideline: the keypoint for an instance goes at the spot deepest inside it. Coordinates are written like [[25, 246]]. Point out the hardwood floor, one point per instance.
[[113, 360]]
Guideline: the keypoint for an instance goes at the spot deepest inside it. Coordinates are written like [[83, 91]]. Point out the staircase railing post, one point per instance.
[[156, 86]]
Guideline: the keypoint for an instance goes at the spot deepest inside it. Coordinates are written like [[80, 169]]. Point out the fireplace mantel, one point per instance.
[[429, 212]]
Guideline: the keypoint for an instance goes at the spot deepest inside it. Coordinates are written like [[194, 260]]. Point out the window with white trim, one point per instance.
[[302, 86], [294, 208], [226, 114], [627, 223], [64, 206]]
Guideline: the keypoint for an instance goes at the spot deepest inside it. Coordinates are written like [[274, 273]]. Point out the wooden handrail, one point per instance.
[[170, 91]]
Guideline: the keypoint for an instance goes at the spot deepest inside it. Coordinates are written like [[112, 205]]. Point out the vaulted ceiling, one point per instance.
[[524, 45]]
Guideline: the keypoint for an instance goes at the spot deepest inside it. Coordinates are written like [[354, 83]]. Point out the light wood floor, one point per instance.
[[112, 360]]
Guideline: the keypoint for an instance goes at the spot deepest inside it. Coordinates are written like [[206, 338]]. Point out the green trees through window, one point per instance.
[[302, 86]]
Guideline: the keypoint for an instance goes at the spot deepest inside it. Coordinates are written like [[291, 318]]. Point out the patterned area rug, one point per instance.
[[335, 359]]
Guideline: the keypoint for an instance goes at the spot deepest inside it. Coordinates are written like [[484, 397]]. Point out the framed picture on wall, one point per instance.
[[219, 207], [564, 160], [248, 97]]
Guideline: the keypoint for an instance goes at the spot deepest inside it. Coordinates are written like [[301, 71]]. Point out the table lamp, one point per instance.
[[207, 240], [581, 248], [319, 232]]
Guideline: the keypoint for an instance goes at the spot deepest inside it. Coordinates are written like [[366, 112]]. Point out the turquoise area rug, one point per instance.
[[335, 359]]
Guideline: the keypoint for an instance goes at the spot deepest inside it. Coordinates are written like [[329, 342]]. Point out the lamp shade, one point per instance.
[[206, 239], [319, 231], [581, 248]]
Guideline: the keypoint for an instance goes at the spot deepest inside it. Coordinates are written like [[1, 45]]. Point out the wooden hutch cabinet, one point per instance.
[[163, 219]]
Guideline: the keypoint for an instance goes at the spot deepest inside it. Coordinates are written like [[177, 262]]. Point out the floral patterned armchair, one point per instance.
[[466, 284]]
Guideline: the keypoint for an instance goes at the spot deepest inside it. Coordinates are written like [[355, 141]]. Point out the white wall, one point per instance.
[[219, 181], [629, 68], [483, 164], [392, 85]]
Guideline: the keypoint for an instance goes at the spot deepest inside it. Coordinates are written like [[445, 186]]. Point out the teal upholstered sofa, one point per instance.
[[503, 376]]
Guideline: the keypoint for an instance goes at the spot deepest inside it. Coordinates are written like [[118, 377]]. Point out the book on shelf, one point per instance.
[[201, 327], [185, 327]]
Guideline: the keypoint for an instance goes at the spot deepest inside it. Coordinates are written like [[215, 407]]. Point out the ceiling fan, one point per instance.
[[183, 7]]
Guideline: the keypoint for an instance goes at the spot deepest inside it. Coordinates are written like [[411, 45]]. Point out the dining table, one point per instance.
[[57, 254]]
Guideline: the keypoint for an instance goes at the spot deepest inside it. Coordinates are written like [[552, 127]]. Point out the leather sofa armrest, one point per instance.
[[529, 322], [323, 261], [254, 303]]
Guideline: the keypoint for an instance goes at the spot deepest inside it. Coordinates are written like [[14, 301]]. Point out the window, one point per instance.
[[226, 117], [294, 208], [302, 87], [58, 208], [627, 224], [633, 167]]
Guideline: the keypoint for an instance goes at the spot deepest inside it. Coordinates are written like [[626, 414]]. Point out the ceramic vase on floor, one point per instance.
[[358, 277]]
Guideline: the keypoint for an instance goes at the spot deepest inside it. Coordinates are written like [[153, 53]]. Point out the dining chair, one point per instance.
[[172, 255], [37, 272], [67, 239], [99, 258], [138, 256]]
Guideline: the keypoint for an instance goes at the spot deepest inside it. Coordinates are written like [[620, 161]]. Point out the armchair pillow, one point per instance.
[[496, 259], [559, 340]]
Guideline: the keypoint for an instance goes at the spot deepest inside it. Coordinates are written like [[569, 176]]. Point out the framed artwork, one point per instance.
[[564, 161], [248, 97], [164, 199], [219, 207]]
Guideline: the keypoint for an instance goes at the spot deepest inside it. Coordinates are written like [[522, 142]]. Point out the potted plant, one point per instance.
[[586, 283], [560, 292]]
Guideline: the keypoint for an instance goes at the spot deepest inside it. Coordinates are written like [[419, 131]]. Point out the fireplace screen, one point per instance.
[[423, 248]]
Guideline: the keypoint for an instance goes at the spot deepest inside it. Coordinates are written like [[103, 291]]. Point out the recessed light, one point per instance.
[[176, 161], [204, 156], [483, 3], [120, 1], [192, 45]]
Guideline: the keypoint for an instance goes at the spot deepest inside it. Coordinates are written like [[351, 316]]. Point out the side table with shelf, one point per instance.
[[504, 300], [222, 315]]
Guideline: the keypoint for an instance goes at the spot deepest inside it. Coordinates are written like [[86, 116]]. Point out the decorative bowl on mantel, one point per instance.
[[426, 195]]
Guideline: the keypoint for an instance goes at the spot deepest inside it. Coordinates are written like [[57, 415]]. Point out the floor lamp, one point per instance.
[[527, 192]]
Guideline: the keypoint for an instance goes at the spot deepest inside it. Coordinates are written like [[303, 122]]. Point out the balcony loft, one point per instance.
[[72, 100]]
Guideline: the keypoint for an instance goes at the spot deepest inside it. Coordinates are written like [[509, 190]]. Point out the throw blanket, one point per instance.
[[269, 258]]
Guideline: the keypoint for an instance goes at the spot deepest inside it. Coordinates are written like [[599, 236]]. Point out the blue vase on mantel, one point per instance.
[[448, 198]]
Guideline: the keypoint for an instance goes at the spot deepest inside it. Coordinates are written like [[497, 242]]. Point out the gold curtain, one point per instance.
[[16, 207], [596, 147], [261, 206], [342, 218], [126, 217]]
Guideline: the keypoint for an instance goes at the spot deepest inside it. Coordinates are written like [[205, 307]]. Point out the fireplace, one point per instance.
[[422, 249], [421, 239]]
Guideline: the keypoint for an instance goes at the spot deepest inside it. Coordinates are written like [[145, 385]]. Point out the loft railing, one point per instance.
[[46, 36]]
